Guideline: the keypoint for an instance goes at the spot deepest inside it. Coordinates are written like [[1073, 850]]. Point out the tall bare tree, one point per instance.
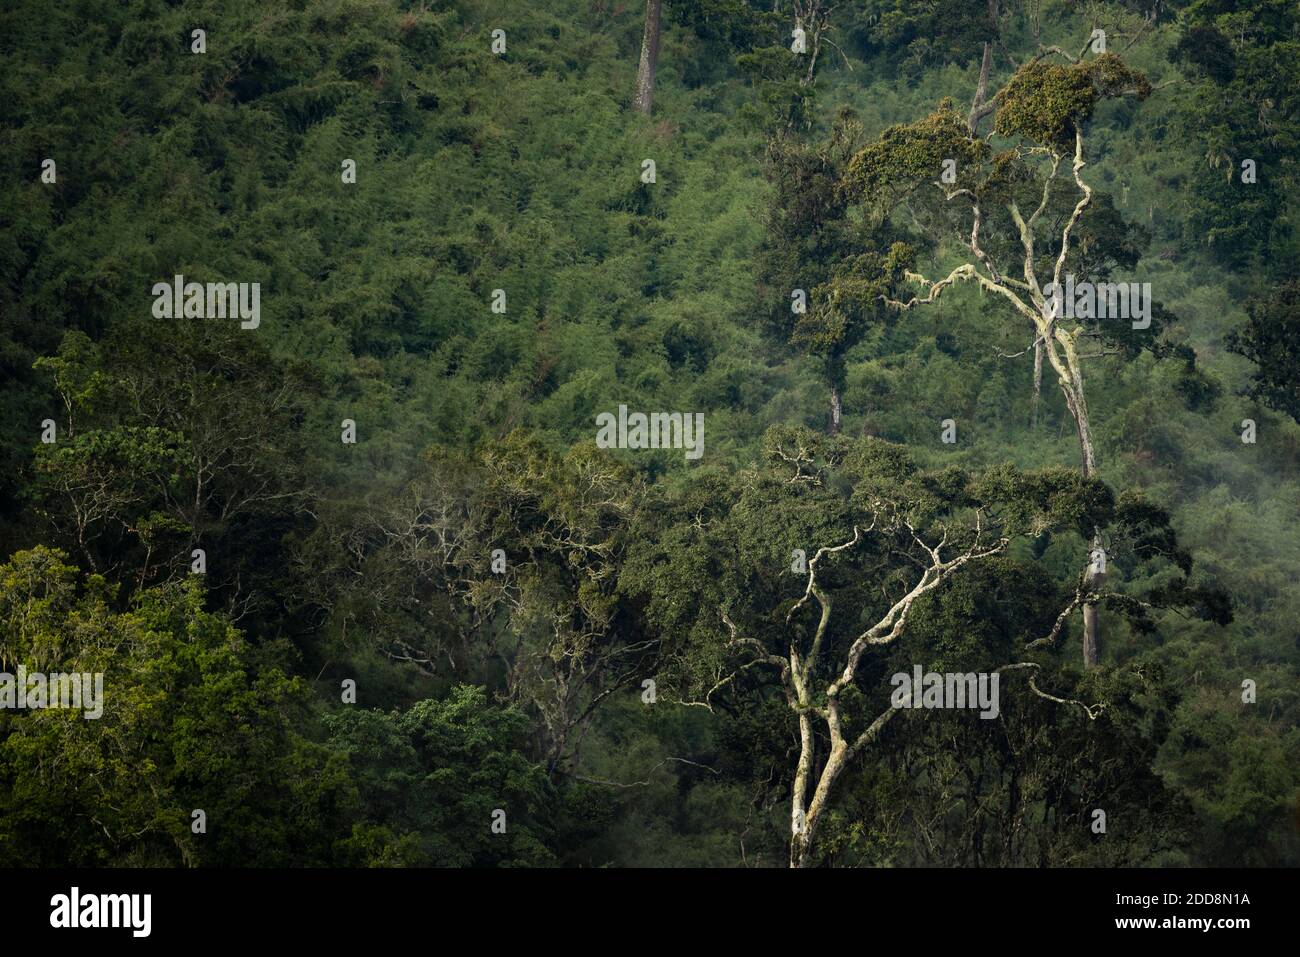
[[1046, 105]]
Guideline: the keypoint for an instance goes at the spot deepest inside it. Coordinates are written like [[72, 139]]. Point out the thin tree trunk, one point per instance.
[[837, 412], [1038, 381], [800, 839], [1079, 410], [979, 108], [1091, 637], [1091, 622], [645, 74], [981, 91]]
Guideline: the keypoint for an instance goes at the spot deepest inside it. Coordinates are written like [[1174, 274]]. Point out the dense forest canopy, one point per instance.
[[486, 433]]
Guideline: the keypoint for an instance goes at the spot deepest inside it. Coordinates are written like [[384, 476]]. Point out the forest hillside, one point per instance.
[[482, 432]]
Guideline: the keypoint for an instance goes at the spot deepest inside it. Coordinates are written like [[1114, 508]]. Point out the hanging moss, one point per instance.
[[909, 154], [1044, 102], [1112, 77]]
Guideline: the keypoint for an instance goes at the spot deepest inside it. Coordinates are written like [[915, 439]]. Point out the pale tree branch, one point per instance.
[[1092, 711], [637, 784], [1079, 207]]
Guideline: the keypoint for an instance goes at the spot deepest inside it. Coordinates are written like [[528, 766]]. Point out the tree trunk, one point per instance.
[[1038, 381], [981, 91], [1091, 623], [835, 763], [800, 840], [979, 108], [645, 74], [837, 412], [803, 825], [1079, 410], [1091, 635]]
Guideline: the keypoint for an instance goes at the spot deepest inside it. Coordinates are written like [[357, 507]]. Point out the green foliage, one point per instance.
[[910, 36], [1241, 61], [188, 723], [1047, 102], [1271, 339], [909, 155], [522, 690], [430, 778], [955, 790]]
